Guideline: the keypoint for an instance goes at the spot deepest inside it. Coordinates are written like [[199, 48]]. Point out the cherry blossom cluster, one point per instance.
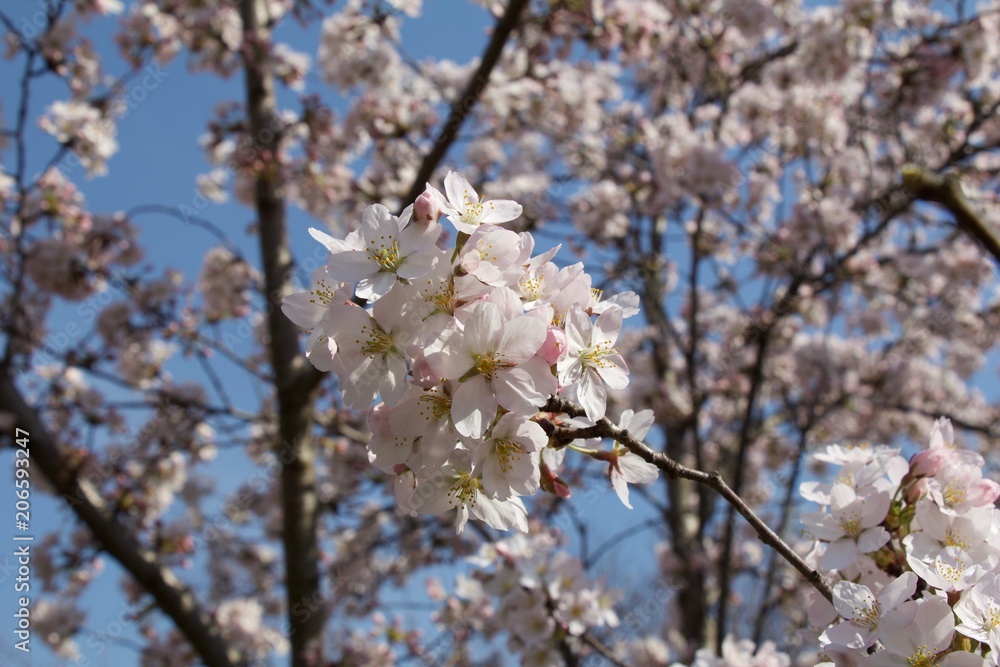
[[916, 547], [535, 593], [463, 348]]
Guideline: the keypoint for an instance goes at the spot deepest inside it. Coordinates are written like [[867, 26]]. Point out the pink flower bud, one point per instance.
[[552, 483], [426, 209], [917, 491], [554, 346], [928, 462], [988, 492]]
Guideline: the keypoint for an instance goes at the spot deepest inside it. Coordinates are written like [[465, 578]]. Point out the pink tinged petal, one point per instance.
[[579, 329], [522, 337], [875, 509], [570, 369], [501, 514], [440, 199], [531, 434], [344, 324], [447, 355], [592, 395], [962, 659], [494, 481], [501, 210], [621, 488], [436, 446], [332, 244], [459, 190], [376, 286], [935, 623], [541, 375], [841, 495], [636, 470], [302, 309], [320, 350], [387, 449], [822, 526], [508, 301], [393, 385], [608, 327], [352, 266], [898, 591], [840, 554], [484, 328], [848, 597], [985, 492], [473, 407], [359, 386], [416, 265], [377, 221], [614, 375], [896, 629], [850, 635], [461, 518], [555, 345], [872, 539], [404, 483], [515, 390], [637, 423]]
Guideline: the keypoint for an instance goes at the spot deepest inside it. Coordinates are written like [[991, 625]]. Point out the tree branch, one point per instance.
[[172, 596], [946, 190], [675, 470], [296, 382], [462, 107]]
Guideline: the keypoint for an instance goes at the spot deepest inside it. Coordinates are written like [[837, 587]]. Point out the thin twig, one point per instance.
[[714, 480]]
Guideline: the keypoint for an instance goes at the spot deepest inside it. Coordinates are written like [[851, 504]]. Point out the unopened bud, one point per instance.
[[426, 209], [554, 346]]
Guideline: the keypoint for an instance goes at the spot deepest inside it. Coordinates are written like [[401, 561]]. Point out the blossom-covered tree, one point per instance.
[[693, 255]]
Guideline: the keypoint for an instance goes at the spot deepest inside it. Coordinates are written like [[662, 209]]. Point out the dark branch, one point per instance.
[[946, 190], [462, 107]]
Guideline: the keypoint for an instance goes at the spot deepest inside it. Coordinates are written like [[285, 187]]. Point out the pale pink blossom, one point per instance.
[[467, 210], [592, 361], [494, 361]]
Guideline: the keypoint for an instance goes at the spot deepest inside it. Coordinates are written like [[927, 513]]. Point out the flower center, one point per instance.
[[385, 254], [851, 525], [485, 251], [956, 539], [507, 452], [323, 293], [531, 287], [463, 491], [434, 406], [991, 618], [595, 356], [474, 209], [869, 614], [953, 494], [949, 572], [377, 342], [487, 365], [921, 659]]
